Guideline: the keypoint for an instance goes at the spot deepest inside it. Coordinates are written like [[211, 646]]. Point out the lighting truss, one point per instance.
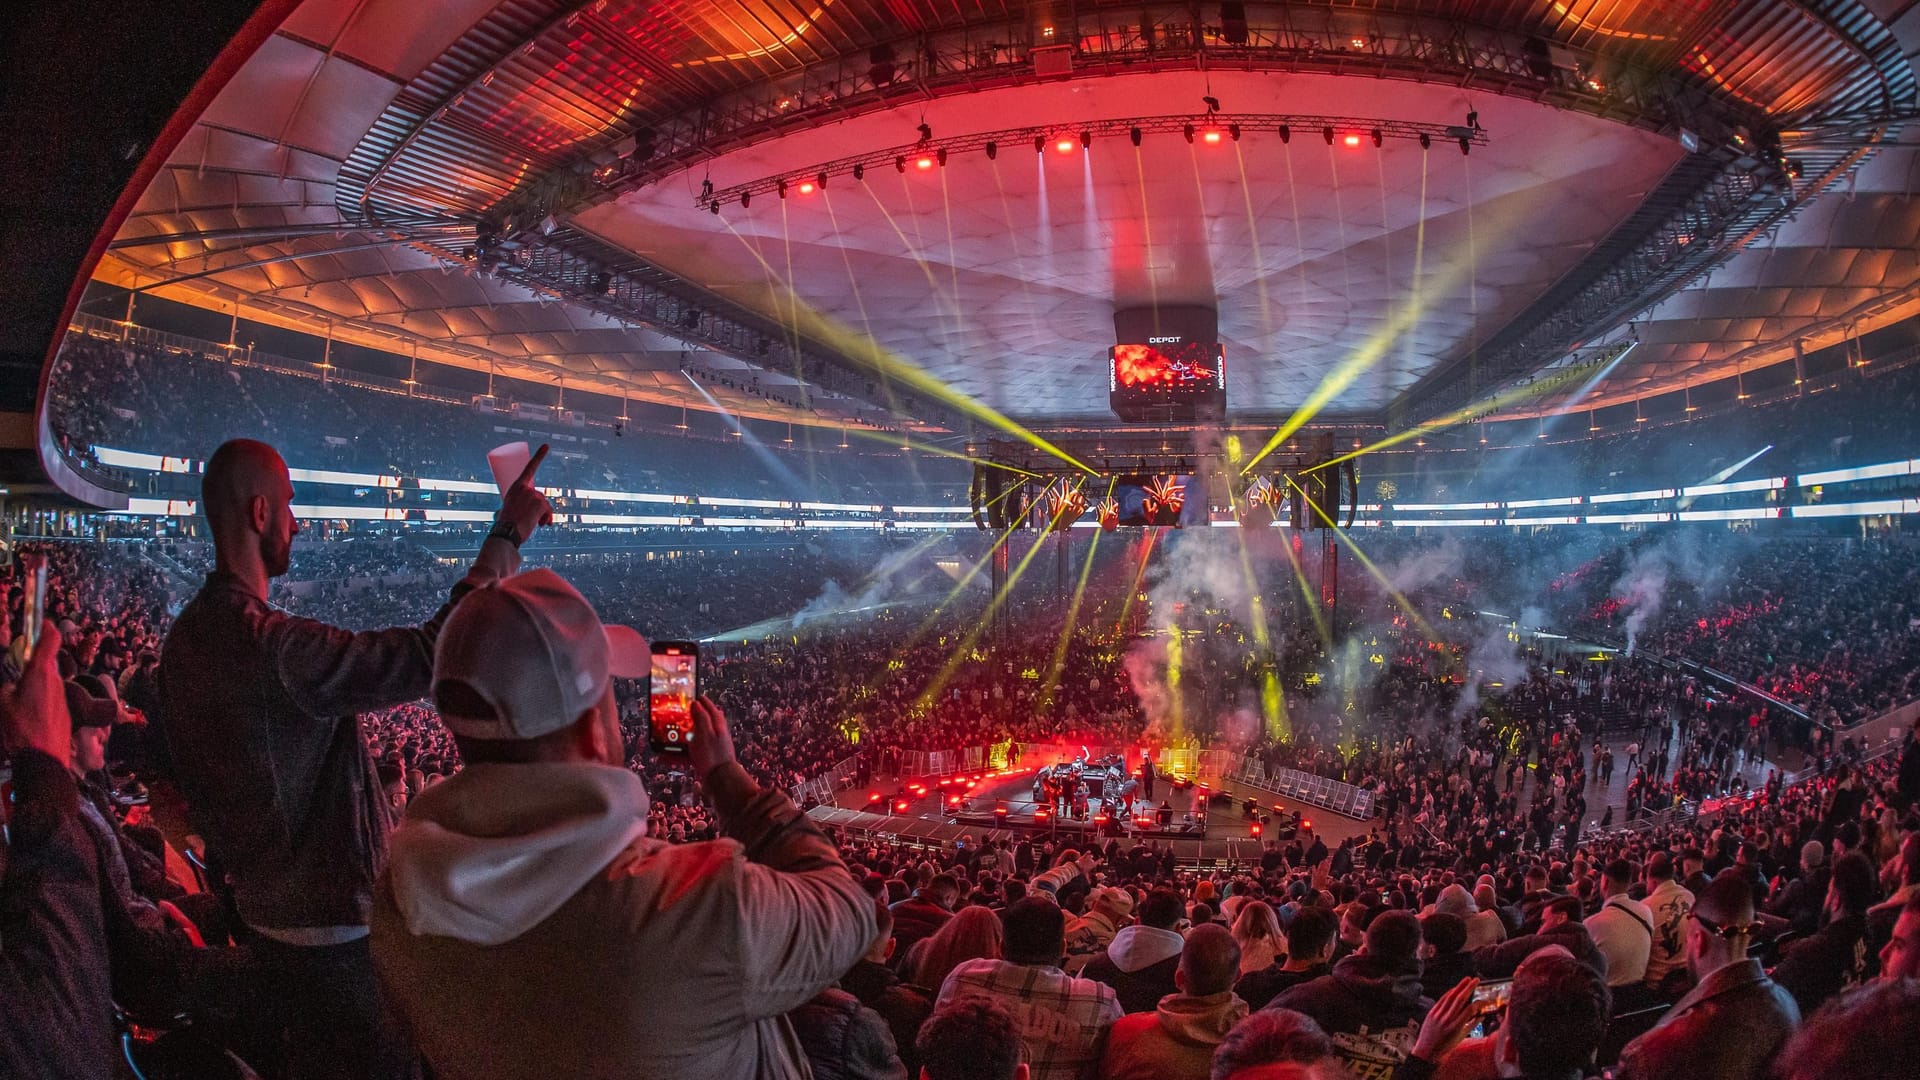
[[1086, 134]]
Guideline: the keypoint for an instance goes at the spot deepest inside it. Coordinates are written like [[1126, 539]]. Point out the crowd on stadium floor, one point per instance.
[[1695, 946]]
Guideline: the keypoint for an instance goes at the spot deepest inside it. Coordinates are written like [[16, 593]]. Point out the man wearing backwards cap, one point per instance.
[[526, 925]]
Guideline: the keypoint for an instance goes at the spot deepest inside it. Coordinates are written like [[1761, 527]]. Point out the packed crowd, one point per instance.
[[496, 880]]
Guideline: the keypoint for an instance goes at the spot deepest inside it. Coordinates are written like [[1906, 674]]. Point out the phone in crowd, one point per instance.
[[1489, 999], [36, 601], [674, 683]]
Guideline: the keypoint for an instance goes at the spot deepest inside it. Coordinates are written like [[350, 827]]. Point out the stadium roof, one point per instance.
[[522, 186]]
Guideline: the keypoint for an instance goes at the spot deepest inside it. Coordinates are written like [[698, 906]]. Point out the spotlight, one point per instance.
[[1233, 130], [706, 188], [1086, 140], [1188, 132], [1064, 145], [1211, 136], [781, 187], [1426, 141], [859, 172], [1286, 134], [926, 132], [1327, 134], [1351, 140], [1039, 143], [923, 162], [714, 206], [806, 187], [1134, 134], [993, 150], [821, 179], [900, 163], [1466, 146], [1212, 103], [940, 155], [1378, 138], [745, 198]]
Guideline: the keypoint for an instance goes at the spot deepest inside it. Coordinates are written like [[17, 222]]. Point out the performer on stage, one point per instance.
[[1146, 775]]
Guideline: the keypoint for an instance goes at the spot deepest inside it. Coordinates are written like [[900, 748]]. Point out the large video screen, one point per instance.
[[1167, 370], [1150, 500]]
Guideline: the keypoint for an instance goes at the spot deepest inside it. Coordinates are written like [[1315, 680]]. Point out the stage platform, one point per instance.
[[930, 812]]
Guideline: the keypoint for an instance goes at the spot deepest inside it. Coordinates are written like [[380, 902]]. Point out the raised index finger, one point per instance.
[[533, 465]]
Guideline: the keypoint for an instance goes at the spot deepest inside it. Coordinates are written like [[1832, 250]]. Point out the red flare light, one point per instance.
[[1352, 140], [924, 163]]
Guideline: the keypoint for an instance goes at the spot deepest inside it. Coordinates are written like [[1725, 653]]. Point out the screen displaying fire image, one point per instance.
[[1194, 366]]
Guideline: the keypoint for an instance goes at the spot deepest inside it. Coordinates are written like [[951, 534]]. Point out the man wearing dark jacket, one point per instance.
[[262, 721], [1444, 962], [1735, 1019], [1559, 925], [1309, 950], [58, 1018], [1371, 1004], [1142, 959], [922, 915], [1838, 958], [845, 1039], [902, 1005]]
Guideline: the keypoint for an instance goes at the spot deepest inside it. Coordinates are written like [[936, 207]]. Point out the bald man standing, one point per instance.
[[262, 720]]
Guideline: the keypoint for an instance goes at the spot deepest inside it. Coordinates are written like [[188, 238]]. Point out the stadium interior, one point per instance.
[[1283, 455]]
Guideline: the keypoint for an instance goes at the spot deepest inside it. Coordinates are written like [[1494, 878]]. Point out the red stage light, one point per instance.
[[806, 187], [1065, 146], [1353, 140], [900, 806], [873, 796], [924, 163], [1039, 812], [1256, 829], [953, 800], [1211, 136]]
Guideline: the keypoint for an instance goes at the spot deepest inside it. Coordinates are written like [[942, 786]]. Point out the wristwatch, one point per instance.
[[505, 530]]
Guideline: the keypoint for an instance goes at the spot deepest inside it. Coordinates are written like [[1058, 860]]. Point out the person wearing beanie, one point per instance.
[[525, 919]]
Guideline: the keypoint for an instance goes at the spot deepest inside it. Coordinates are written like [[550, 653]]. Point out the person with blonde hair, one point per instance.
[[973, 933], [1257, 931]]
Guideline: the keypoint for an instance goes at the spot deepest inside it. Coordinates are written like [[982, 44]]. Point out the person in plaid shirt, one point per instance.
[[1063, 1020]]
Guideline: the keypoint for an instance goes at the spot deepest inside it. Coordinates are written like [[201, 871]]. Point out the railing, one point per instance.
[[822, 789], [1324, 792]]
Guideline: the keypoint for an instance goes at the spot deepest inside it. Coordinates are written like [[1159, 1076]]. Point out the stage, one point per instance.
[[1206, 819]]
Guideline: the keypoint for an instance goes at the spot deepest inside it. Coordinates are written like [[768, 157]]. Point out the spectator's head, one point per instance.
[[1559, 912], [1556, 1016], [523, 673], [970, 1039], [1111, 901], [1617, 878], [1272, 1044], [92, 721], [1393, 939], [974, 933], [1444, 934], [1813, 854], [248, 500], [1721, 925], [1162, 909], [1852, 890], [1201, 915], [1209, 961], [945, 890], [1900, 957], [1256, 922], [1659, 869], [1036, 931], [1872, 1033], [1310, 936]]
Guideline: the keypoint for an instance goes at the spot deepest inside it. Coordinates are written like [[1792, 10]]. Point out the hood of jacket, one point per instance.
[[1200, 1021], [1371, 981], [1139, 947], [490, 853]]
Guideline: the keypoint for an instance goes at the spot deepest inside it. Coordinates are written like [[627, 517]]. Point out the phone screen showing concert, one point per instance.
[[670, 699]]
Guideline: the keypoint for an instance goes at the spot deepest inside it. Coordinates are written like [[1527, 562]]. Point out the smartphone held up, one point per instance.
[[674, 683]]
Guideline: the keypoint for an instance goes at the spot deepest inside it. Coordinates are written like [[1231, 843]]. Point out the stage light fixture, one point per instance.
[[714, 206], [926, 132], [1286, 134], [1134, 134], [1212, 137], [940, 155], [900, 163], [1426, 141], [993, 150], [1188, 132], [1039, 144], [820, 180], [1064, 145], [1351, 140], [781, 187], [859, 172], [1378, 138], [806, 187], [1327, 134], [1233, 130], [1466, 146], [923, 162], [1086, 139], [745, 198]]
